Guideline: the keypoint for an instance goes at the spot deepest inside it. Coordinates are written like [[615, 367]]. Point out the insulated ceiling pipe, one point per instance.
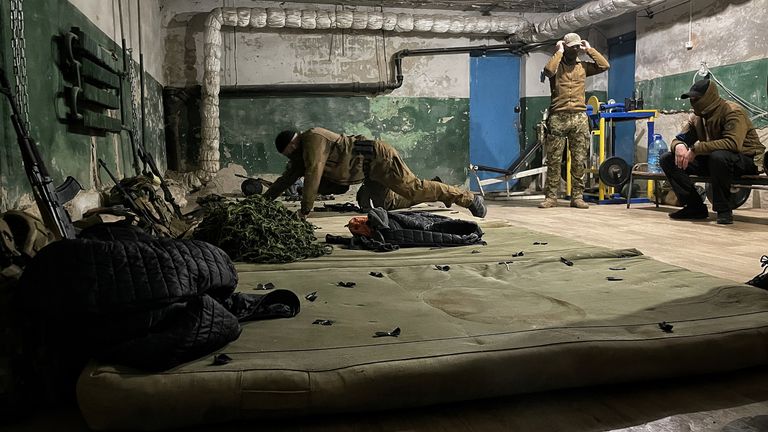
[[317, 20], [518, 28], [585, 16]]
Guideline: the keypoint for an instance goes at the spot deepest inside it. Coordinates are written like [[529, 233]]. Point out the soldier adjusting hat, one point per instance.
[[697, 89], [572, 39]]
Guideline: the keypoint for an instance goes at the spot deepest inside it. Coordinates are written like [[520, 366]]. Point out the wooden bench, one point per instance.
[[759, 181]]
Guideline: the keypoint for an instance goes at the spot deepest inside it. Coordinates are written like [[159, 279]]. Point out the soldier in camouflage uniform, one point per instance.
[[567, 115], [345, 160]]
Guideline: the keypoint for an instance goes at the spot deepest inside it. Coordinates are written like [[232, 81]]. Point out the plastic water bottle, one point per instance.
[[656, 148]]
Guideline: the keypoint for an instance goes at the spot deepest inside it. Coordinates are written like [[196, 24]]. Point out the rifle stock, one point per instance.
[[147, 158], [131, 198], [50, 200]]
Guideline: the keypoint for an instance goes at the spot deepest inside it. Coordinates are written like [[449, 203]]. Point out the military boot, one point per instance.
[[548, 203], [478, 208], [579, 203]]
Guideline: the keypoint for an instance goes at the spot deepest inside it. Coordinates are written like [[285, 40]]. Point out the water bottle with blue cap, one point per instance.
[[656, 148]]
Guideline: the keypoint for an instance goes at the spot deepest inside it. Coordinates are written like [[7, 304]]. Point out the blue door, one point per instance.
[[494, 95], [621, 83]]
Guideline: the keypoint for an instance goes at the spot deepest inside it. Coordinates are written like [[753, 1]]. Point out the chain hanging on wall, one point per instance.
[[137, 130], [18, 49]]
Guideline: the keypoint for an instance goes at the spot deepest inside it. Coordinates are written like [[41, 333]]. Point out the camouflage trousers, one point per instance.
[[573, 127]]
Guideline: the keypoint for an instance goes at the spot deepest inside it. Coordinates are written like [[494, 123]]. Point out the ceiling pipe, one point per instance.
[[585, 16], [336, 89], [370, 88], [518, 29], [208, 159]]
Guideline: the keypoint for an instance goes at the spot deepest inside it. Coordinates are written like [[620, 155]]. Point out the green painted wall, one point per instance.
[[747, 79], [66, 152], [431, 134]]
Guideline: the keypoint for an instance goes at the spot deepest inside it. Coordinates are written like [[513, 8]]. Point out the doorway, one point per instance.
[[494, 118]]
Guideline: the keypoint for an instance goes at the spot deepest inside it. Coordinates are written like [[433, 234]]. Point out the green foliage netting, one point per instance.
[[256, 230]]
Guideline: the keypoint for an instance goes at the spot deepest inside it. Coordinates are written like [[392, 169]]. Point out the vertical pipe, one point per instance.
[[601, 156], [651, 131]]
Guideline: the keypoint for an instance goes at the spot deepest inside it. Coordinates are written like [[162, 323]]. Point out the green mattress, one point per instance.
[[492, 324]]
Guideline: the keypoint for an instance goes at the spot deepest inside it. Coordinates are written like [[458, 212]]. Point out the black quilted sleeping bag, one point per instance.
[[411, 229], [122, 296]]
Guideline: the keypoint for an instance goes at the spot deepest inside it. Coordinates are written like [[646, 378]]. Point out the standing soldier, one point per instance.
[[567, 115], [345, 160]]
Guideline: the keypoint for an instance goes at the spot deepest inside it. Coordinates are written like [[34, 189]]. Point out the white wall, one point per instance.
[[722, 33], [105, 14], [274, 56]]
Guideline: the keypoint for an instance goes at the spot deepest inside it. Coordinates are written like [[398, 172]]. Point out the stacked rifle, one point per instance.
[[50, 200], [98, 85]]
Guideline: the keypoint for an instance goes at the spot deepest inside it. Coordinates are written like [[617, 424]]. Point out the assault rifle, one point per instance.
[[148, 160], [131, 199], [50, 200]]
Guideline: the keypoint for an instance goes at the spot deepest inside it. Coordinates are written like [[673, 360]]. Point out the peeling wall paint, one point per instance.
[[730, 36], [431, 134], [268, 56], [722, 32], [66, 151], [279, 56], [105, 15]]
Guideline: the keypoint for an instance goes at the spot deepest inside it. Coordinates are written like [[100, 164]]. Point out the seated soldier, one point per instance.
[[718, 141], [319, 154]]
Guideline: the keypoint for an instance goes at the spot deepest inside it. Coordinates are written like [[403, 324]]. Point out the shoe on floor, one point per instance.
[[478, 208], [691, 212], [579, 203], [548, 203], [725, 217]]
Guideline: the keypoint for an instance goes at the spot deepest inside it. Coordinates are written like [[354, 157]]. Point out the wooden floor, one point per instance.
[[728, 402], [727, 251]]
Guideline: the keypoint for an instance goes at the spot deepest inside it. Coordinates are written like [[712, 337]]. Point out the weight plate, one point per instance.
[[738, 196], [614, 171]]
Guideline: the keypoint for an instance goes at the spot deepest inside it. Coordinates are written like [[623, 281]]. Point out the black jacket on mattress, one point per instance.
[[392, 230], [122, 296], [422, 229]]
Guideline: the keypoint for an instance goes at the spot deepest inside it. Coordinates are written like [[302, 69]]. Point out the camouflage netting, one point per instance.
[[258, 231]]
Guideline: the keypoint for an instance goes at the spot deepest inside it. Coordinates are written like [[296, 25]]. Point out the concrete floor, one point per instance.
[[729, 402]]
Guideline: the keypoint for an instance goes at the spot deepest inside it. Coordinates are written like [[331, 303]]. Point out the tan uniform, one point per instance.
[[568, 119], [337, 158]]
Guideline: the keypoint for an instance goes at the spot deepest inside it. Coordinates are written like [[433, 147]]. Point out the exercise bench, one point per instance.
[[748, 182], [512, 173]]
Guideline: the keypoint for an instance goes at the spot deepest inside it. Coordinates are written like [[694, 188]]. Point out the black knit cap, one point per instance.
[[283, 138], [697, 89]]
